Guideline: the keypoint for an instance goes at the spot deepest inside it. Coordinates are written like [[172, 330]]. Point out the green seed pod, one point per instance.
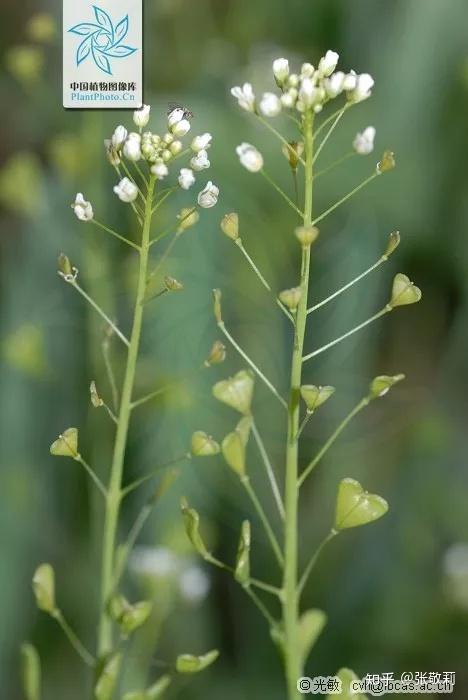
[[66, 444], [217, 354], [203, 445], [192, 528], [242, 569], [186, 663], [404, 292], [135, 616], [381, 385], [30, 672], [64, 265], [157, 689], [346, 676], [291, 297], [96, 400], [117, 605], [234, 452], [173, 285], [187, 218], [230, 226], [217, 305], [44, 588], [306, 235], [293, 152], [387, 163], [107, 681], [393, 243], [311, 625], [355, 507], [315, 396], [236, 391]]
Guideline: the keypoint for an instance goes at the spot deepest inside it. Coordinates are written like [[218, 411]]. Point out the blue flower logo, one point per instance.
[[103, 40]]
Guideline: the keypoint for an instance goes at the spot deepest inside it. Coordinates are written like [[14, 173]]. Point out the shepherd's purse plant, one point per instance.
[[302, 96]]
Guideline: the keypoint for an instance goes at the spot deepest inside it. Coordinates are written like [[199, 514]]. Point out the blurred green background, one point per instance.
[[396, 593]]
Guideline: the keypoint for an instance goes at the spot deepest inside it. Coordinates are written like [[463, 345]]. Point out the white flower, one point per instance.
[[200, 161], [364, 143], [328, 63], [141, 116], [249, 157], [309, 94], [181, 128], [349, 81], [126, 190], [175, 116], [83, 209], [194, 584], [119, 136], [334, 85], [208, 197], [293, 80], [160, 170], [186, 178], [289, 98], [201, 143], [364, 85], [132, 147], [307, 70], [270, 105], [245, 96], [281, 70]]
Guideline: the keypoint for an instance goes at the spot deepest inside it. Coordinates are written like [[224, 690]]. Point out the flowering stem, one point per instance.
[[329, 119], [274, 131], [77, 645], [263, 609], [291, 600], [306, 419], [283, 194], [330, 131], [264, 519], [101, 313], [258, 372], [269, 469], [345, 198], [333, 437], [116, 235], [115, 482], [93, 475], [379, 314], [339, 291], [335, 164], [261, 278], [314, 558], [161, 201], [110, 374]]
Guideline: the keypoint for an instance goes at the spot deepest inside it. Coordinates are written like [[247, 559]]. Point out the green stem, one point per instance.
[[280, 191], [329, 132], [335, 164], [269, 469], [110, 373], [291, 602], [362, 404], [98, 309], [379, 314], [151, 475], [77, 645], [274, 131], [260, 605], [305, 420], [345, 198], [115, 481], [115, 234], [90, 471], [264, 519], [314, 559]]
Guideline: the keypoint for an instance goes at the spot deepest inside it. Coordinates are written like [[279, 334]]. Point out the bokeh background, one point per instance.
[[396, 593]]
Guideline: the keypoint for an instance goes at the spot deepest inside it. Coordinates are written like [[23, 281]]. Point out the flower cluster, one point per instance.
[[312, 88], [128, 148]]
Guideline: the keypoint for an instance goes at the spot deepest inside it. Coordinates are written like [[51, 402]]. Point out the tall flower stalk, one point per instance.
[[303, 96]]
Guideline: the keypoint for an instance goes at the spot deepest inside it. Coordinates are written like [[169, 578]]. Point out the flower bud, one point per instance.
[[66, 444], [217, 305], [181, 128], [208, 197], [119, 137], [242, 568], [393, 243], [30, 672], [96, 400], [172, 285], [175, 117], [250, 157], [362, 86], [311, 624], [245, 97], [135, 616], [217, 354], [230, 225], [328, 63], [334, 85], [166, 155], [404, 292], [186, 663], [141, 116], [160, 170], [65, 267], [107, 680], [315, 396], [363, 143], [381, 385], [293, 152], [186, 178], [132, 147], [355, 507], [187, 218], [192, 528], [201, 143], [306, 235], [291, 297], [126, 190], [270, 105], [387, 163], [281, 70], [44, 588], [203, 445], [168, 139], [307, 70], [175, 147], [83, 209], [237, 391]]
